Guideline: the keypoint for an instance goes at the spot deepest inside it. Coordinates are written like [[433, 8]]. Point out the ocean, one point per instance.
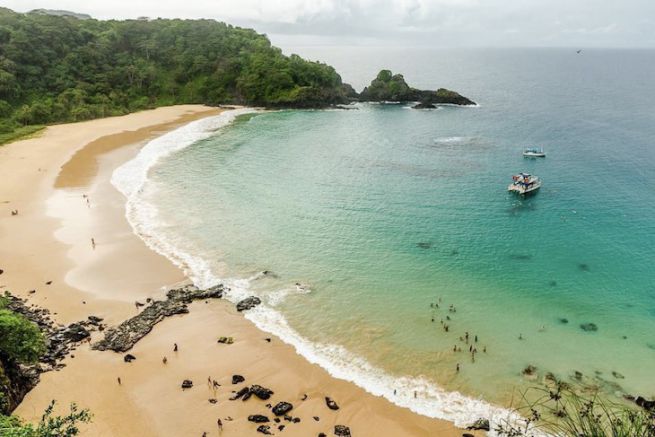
[[379, 225]]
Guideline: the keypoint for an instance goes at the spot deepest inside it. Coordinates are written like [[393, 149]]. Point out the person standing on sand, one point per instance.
[[219, 422], [93, 243], [164, 360], [174, 347], [119, 380]]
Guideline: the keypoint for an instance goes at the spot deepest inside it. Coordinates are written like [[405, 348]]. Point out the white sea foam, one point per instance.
[[450, 140], [432, 401]]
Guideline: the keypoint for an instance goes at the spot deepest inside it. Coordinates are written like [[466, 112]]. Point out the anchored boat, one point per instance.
[[524, 183], [534, 152]]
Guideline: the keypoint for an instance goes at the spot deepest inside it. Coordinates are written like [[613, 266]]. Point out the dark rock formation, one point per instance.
[[261, 392], [245, 391], [331, 404], [129, 358], [480, 424], [391, 87], [424, 105], [264, 429], [282, 408], [645, 404], [617, 375], [563, 320], [258, 418], [589, 327], [237, 379], [187, 383], [248, 303], [75, 332], [342, 431], [125, 335]]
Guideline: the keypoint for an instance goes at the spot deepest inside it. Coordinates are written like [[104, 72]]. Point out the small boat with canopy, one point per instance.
[[534, 152], [524, 183]]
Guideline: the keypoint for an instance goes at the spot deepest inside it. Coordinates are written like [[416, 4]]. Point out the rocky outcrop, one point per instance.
[[389, 87], [248, 303], [342, 431], [331, 404], [645, 404], [424, 105], [480, 424], [282, 408], [128, 333]]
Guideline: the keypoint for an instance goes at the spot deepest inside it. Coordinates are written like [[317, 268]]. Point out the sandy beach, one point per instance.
[[60, 184]]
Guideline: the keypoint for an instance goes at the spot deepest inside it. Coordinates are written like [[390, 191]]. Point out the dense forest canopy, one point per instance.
[[59, 68]]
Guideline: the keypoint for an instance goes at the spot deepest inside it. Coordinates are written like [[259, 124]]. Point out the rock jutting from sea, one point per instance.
[[389, 87]]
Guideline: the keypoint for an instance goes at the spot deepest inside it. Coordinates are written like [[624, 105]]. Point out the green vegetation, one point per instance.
[[21, 132], [393, 88], [390, 87], [21, 342], [563, 411], [48, 426], [60, 68]]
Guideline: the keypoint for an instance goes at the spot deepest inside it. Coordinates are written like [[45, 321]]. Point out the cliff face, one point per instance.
[[393, 88], [14, 385]]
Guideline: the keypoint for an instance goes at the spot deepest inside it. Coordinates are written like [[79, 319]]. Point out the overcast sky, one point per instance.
[[438, 23]]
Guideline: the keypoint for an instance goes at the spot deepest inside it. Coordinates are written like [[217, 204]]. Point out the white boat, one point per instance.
[[534, 152], [524, 183]]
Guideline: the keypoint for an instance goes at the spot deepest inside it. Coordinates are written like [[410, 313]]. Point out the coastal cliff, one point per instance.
[[389, 87]]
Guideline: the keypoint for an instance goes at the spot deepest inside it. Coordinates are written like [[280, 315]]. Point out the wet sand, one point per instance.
[[48, 180]]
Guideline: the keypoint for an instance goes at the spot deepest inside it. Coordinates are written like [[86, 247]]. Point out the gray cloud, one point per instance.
[[442, 23]]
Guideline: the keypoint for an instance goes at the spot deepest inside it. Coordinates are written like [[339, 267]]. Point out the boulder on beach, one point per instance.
[[331, 404], [129, 358], [480, 424], [264, 429], [262, 393], [645, 404], [282, 408], [248, 303], [187, 383], [245, 391], [342, 431], [237, 379], [258, 418], [75, 332]]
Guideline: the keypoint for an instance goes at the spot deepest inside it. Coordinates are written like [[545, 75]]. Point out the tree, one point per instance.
[[49, 425], [20, 340]]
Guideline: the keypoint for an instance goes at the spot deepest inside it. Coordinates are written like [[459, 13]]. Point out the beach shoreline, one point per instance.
[[60, 185]]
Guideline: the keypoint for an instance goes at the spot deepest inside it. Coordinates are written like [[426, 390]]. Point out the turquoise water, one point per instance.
[[381, 211]]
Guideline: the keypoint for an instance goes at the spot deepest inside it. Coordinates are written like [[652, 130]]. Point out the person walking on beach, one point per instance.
[[174, 347], [164, 360], [119, 381], [457, 368], [219, 422], [93, 243]]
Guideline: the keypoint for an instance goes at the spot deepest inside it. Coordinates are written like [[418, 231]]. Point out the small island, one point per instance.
[[389, 87]]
